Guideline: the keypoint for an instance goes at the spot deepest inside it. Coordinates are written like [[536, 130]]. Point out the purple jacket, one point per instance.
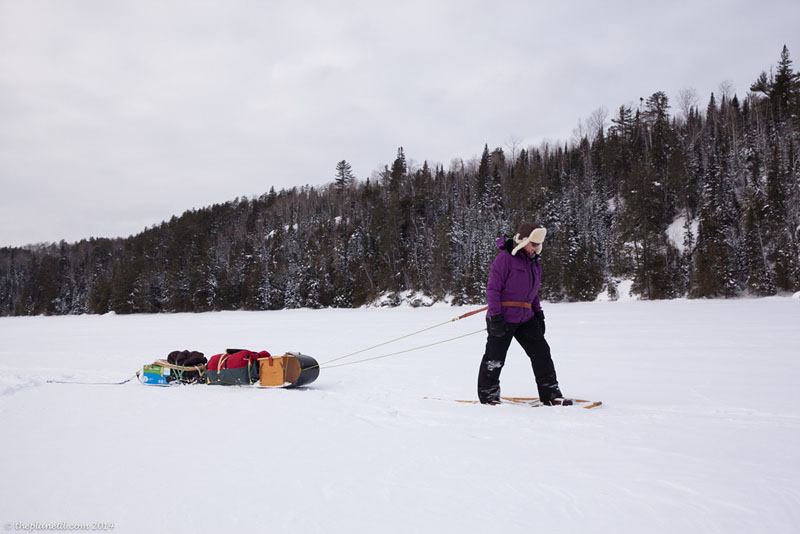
[[513, 279]]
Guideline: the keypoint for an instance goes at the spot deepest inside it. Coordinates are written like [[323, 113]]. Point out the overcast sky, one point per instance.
[[115, 115]]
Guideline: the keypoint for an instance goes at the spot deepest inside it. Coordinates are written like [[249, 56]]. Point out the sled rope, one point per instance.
[[400, 352], [94, 383], [468, 314], [382, 344]]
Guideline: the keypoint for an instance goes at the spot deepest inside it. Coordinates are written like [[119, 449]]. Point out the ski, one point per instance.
[[525, 401]]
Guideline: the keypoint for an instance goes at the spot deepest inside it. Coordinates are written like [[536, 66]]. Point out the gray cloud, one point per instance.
[[117, 115]]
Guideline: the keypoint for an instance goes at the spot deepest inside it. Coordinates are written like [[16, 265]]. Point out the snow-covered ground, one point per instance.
[[699, 431]]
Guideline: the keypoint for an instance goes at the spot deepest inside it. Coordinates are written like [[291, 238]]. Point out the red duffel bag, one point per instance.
[[234, 367]]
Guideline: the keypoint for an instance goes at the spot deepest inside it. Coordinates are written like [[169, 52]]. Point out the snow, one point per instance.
[[624, 287], [624, 290], [698, 431], [676, 232], [408, 297]]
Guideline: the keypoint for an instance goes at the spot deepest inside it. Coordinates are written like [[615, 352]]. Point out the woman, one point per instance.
[[516, 313]]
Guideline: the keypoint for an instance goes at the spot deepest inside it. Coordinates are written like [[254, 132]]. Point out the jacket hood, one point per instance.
[[505, 243]]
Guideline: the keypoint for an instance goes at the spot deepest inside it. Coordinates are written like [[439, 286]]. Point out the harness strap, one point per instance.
[[512, 304]]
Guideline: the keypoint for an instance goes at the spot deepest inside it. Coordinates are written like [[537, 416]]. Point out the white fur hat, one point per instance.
[[529, 232]]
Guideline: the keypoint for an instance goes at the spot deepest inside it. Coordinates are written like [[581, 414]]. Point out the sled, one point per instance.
[[291, 370]]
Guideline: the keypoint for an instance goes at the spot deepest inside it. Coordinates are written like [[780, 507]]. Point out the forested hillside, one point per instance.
[[694, 201]]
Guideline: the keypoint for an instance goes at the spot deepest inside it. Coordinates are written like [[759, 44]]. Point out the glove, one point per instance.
[[539, 315], [496, 326]]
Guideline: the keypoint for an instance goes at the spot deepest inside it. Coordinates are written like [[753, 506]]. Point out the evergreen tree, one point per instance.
[[785, 88], [344, 176]]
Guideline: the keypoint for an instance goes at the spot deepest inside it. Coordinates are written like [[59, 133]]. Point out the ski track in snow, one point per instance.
[[698, 431]]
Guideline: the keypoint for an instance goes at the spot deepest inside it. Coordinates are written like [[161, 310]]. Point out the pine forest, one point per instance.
[[682, 198]]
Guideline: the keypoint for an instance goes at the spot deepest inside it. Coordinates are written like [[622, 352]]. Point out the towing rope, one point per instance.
[[396, 353], [94, 383], [326, 364]]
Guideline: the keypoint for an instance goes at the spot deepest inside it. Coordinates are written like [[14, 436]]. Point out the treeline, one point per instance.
[[702, 203]]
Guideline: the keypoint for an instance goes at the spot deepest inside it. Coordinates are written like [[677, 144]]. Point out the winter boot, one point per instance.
[[558, 401], [489, 394]]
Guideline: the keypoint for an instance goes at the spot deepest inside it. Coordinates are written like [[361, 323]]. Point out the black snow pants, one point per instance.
[[530, 337]]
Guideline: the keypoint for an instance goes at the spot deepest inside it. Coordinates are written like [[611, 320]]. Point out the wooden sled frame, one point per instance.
[[180, 369]]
